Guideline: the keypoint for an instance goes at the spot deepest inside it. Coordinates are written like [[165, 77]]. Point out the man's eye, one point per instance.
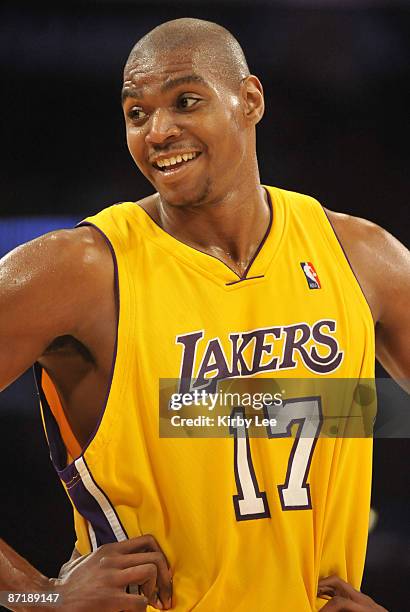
[[136, 113], [187, 101]]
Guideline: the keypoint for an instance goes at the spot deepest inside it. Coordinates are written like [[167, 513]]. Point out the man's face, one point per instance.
[[185, 129]]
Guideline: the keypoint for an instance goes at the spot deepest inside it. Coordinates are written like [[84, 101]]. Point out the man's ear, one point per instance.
[[253, 100]]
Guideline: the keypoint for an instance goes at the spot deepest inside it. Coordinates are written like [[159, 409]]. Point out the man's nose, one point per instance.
[[161, 127]]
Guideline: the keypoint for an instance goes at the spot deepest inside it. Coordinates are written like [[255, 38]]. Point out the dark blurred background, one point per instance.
[[336, 78]]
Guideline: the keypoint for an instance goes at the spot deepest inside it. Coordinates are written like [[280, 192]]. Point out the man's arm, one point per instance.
[[382, 266], [48, 288], [16, 574], [96, 581]]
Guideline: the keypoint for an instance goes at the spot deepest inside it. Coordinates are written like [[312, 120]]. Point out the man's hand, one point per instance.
[[344, 598], [98, 581]]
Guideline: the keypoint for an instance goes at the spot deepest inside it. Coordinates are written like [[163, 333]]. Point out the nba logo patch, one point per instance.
[[310, 274]]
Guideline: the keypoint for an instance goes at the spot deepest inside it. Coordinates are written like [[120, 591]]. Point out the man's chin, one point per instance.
[[185, 198]]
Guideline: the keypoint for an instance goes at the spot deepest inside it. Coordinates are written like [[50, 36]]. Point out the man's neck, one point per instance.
[[230, 229]]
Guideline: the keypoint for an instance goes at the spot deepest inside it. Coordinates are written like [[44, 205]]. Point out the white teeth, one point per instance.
[[171, 161]]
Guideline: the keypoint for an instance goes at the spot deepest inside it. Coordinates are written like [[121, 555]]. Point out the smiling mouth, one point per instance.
[[167, 164]]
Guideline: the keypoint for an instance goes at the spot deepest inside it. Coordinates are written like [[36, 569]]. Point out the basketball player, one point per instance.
[[214, 276]]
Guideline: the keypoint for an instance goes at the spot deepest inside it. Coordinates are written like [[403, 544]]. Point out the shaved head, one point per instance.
[[187, 91], [203, 41]]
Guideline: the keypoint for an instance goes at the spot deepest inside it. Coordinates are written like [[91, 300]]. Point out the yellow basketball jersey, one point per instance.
[[247, 523]]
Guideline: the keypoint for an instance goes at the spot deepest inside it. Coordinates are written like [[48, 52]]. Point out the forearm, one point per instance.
[[18, 575]]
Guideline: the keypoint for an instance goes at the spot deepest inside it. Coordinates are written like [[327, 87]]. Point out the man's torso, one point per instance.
[[183, 312]]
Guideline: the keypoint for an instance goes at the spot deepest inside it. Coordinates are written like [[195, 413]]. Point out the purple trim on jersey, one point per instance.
[[347, 259], [58, 451], [88, 506], [241, 278], [248, 267], [82, 499], [117, 307]]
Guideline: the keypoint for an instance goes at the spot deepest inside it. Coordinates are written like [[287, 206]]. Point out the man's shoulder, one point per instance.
[[291, 197], [381, 263], [60, 256], [81, 245], [356, 233], [124, 207], [353, 232], [124, 219]]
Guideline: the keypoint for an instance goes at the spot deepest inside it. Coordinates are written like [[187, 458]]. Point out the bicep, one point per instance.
[[43, 290], [382, 266], [393, 326], [24, 328]]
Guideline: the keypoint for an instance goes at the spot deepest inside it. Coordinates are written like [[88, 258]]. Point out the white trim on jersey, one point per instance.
[[93, 539], [100, 498]]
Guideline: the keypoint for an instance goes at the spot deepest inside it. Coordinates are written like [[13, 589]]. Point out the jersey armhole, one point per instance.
[[335, 244], [71, 443]]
